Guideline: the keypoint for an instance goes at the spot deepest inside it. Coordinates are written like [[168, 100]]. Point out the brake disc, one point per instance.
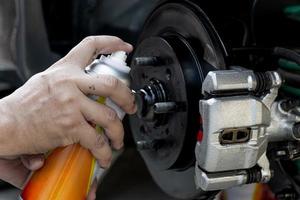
[[178, 47]]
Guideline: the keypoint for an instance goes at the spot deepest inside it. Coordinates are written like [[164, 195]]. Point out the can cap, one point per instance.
[[118, 60], [120, 55]]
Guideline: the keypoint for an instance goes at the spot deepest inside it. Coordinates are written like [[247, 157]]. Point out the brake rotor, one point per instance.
[[178, 47]]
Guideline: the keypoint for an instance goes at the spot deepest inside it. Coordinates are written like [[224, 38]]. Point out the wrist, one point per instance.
[[8, 133]]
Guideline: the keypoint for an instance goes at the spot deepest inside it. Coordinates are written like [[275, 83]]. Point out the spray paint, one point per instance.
[[69, 171]]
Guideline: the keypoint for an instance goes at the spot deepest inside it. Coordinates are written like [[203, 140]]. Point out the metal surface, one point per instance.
[[180, 35], [219, 181], [223, 113], [102, 66], [222, 81], [194, 47], [281, 127], [234, 126], [150, 126]]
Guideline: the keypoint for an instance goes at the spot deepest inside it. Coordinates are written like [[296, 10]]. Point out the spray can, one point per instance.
[[69, 171]]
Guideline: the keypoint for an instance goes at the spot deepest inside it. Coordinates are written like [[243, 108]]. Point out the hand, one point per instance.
[[16, 171], [51, 109]]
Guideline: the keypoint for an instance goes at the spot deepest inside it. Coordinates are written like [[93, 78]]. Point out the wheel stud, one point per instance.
[[148, 61]]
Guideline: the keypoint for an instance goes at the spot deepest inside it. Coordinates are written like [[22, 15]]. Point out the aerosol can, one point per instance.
[[69, 171]]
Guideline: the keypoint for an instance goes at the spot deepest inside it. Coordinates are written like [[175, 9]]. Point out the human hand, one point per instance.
[[16, 171], [51, 109]]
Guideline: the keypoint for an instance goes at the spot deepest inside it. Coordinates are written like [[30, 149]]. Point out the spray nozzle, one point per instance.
[[119, 55]]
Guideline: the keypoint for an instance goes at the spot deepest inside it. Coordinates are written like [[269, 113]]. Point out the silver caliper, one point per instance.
[[239, 118]]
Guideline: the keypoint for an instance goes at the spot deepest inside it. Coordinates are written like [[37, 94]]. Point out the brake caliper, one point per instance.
[[236, 112]]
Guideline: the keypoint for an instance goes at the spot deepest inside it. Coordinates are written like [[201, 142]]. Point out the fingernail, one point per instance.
[[41, 159], [119, 145], [105, 164], [35, 163], [133, 108], [101, 141], [133, 92]]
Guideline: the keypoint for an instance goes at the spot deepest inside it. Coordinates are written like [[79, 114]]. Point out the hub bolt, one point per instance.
[[148, 61]]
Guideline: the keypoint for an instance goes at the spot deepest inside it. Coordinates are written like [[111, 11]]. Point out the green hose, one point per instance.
[[292, 67], [288, 65], [291, 90], [297, 163], [292, 12]]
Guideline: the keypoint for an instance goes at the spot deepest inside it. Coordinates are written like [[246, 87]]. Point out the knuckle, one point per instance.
[[62, 90], [111, 82], [89, 40], [64, 60], [68, 100], [43, 76], [56, 77], [68, 122], [100, 141], [107, 157], [110, 114]]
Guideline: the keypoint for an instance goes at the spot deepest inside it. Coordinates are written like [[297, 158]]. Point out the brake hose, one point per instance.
[[290, 69]]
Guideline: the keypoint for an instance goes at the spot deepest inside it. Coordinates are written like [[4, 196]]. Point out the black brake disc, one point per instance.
[[178, 47]]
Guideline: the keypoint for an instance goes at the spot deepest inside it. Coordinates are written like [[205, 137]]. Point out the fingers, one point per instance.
[[97, 143], [108, 86], [93, 190], [90, 47], [106, 118], [33, 162], [13, 172]]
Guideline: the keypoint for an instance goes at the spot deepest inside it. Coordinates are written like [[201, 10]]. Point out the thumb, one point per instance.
[[13, 172], [33, 162]]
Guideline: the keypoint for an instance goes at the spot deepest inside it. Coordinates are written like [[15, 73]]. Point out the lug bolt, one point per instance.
[[148, 61], [153, 145], [144, 145], [164, 107]]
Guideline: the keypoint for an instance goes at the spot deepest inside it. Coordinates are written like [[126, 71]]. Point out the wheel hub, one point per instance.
[[166, 83], [177, 48]]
